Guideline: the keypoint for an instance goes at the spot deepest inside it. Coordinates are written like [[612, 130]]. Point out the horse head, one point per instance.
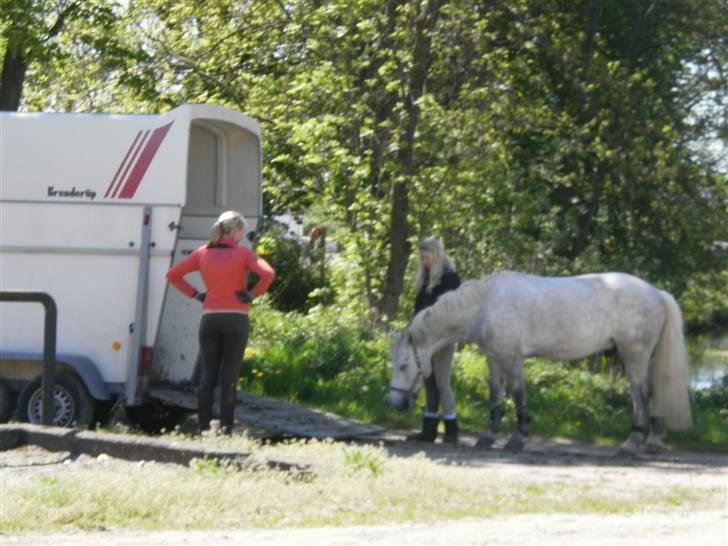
[[410, 366]]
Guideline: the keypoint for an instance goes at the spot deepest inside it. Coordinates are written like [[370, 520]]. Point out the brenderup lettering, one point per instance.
[[72, 193]]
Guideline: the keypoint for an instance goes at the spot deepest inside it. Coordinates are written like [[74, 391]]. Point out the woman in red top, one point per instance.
[[224, 328]]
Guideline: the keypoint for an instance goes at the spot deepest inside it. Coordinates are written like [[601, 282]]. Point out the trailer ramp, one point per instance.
[[276, 416]]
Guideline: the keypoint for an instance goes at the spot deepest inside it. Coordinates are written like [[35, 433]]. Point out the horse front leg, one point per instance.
[[518, 386], [497, 393]]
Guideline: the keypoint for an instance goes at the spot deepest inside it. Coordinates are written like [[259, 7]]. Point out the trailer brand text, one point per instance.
[[73, 192]]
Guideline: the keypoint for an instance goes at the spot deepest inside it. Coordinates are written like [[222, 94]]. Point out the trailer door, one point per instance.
[[223, 173]]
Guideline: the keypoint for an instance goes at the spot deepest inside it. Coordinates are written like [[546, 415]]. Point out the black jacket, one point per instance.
[[448, 281]]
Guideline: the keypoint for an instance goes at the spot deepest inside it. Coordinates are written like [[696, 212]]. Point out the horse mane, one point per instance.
[[447, 314]]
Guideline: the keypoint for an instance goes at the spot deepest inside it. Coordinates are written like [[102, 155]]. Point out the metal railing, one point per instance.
[[49, 344]]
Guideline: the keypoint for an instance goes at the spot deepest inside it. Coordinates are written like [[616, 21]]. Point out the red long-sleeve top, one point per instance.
[[223, 269]]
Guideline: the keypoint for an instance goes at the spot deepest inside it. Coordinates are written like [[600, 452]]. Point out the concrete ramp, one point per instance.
[[277, 416]]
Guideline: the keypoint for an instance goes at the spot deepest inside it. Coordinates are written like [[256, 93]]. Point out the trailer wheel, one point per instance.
[[73, 405], [4, 403]]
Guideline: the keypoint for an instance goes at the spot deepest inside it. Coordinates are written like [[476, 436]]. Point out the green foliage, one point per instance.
[[547, 136], [205, 465], [365, 459], [705, 300], [301, 270], [325, 357], [577, 403], [711, 419], [77, 56]]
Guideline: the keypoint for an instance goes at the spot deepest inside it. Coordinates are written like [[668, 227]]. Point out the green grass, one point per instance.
[[352, 485]]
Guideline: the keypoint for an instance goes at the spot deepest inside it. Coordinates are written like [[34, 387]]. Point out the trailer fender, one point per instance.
[[82, 365]]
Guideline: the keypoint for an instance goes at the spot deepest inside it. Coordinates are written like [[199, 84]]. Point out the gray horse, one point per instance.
[[513, 316]]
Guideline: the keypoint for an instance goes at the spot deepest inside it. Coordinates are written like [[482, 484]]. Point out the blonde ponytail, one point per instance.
[[225, 224]]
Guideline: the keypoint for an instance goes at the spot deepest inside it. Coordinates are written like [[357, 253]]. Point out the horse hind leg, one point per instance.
[[657, 433], [497, 393], [518, 386], [487, 439], [639, 386], [658, 424]]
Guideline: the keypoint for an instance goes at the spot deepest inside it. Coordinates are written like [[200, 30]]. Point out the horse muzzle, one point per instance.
[[400, 401]]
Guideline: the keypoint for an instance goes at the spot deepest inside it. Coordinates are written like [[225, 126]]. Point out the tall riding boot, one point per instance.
[[428, 432], [227, 408], [204, 409], [451, 431]]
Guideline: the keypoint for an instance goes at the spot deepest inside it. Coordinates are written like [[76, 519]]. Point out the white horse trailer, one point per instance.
[[94, 210]]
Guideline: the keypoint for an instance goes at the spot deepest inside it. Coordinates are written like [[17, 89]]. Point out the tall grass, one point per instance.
[[331, 360]]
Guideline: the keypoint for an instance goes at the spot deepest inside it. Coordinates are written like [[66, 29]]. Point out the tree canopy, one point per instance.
[[549, 136]]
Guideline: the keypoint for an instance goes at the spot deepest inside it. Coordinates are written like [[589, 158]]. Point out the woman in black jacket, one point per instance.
[[436, 276]]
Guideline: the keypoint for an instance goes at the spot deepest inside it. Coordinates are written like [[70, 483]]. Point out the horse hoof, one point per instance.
[[626, 451], [515, 444], [485, 442], [653, 448]]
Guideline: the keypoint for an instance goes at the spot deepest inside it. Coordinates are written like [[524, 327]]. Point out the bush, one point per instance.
[[711, 420], [327, 357], [301, 274]]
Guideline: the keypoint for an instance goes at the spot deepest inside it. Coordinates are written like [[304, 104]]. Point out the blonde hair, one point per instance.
[[440, 264], [226, 223]]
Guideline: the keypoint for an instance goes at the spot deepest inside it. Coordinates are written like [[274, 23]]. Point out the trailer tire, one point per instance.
[[4, 403], [74, 407]]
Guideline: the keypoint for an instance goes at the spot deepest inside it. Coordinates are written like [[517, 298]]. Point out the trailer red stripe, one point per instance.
[[146, 157], [130, 163], [121, 165]]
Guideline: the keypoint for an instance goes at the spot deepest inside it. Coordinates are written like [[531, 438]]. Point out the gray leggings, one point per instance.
[[223, 337]]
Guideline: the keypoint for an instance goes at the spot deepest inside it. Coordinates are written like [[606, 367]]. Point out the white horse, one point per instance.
[[513, 316]]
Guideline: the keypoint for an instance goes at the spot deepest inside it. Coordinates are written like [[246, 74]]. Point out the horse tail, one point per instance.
[[669, 378]]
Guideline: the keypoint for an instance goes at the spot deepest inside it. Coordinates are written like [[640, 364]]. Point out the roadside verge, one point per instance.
[[133, 448]]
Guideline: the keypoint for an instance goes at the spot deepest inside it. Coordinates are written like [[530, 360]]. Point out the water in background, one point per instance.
[[708, 356]]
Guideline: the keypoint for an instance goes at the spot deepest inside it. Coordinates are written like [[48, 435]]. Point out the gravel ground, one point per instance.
[[694, 529]]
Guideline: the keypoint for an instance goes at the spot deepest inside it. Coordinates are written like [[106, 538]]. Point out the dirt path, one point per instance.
[[703, 528], [542, 461]]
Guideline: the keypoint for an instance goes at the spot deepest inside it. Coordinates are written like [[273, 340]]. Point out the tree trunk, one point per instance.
[[399, 249], [15, 61], [12, 78], [399, 228]]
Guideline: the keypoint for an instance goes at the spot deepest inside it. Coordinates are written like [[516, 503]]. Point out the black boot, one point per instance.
[[428, 432], [451, 431]]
